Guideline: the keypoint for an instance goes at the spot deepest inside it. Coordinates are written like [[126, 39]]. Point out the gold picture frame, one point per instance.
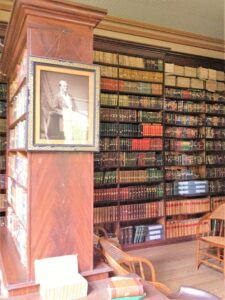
[[63, 110]]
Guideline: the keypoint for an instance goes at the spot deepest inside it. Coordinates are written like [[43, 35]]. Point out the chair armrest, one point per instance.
[[131, 261]]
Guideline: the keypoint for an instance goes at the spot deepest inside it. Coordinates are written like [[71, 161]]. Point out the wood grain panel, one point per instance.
[[61, 206]]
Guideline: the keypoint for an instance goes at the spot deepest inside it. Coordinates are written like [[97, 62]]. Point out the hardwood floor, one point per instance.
[[175, 266]]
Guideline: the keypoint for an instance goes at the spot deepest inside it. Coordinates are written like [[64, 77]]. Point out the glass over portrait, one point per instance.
[[64, 106]]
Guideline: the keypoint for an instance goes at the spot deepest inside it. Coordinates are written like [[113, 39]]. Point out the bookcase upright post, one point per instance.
[[57, 208]]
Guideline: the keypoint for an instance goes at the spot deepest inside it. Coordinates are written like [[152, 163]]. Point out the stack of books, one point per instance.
[[125, 288]]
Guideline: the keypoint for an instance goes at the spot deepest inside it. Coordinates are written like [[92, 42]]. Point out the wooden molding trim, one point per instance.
[[48, 10], [136, 28]]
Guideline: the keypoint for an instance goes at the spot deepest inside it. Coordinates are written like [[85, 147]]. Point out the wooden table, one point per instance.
[[97, 291]]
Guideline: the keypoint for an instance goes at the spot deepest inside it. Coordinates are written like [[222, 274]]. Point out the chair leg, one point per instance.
[[197, 253]]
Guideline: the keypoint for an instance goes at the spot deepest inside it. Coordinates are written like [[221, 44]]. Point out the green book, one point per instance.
[[130, 298]]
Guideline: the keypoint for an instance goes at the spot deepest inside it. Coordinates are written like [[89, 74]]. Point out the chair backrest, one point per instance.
[[219, 213], [111, 249], [126, 263]]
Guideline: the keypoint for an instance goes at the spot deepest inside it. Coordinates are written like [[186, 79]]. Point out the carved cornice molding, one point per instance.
[[155, 32]]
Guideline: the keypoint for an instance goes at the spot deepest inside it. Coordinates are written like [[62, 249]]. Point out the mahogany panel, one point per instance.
[[61, 193], [61, 41]]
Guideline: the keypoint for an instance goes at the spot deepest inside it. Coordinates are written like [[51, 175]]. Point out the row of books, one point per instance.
[[128, 115], [177, 207], [18, 233], [186, 82], [151, 144], [185, 93], [181, 174], [122, 115], [128, 212], [21, 71], [184, 106], [200, 72], [18, 168], [141, 102], [127, 159], [182, 159], [17, 197], [139, 75], [215, 159], [185, 227], [186, 120], [2, 181], [111, 177], [19, 104], [2, 108], [217, 186], [139, 192], [112, 129], [131, 74], [2, 143], [173, 145], [183, 132], [215, 121], [187, 188], [141, 233], [2, 125], [2, 162], [17, 136], [3, 91], [214, 133], [128, 61], [113, 144], [214, 145], [217, 108], [131, 86], [3, 202], [147, 175], [215, 172]]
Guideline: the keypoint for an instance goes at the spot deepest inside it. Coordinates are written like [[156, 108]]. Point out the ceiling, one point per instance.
[[205, 17]]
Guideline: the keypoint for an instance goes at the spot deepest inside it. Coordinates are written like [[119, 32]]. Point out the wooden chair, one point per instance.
[[213, 254], [123, 263], [101, 232]]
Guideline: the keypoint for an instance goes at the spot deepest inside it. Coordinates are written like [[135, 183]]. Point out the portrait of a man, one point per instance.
[[63, 105]]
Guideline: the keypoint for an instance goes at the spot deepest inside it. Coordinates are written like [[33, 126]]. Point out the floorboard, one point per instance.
[[175, 266]]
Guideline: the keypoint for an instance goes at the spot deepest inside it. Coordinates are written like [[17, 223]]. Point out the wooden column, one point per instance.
[[60, 183]]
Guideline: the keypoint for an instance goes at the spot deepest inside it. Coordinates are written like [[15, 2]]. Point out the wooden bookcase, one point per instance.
[[121, 203], [129, 175], [50, 193]]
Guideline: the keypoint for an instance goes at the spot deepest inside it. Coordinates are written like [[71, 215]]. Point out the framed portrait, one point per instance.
[[63, 112]]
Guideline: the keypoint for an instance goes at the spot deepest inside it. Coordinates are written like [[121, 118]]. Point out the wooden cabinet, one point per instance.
[[50, 193]]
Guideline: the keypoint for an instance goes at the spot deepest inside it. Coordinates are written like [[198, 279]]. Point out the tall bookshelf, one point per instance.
[[129, 176], [187, 197], [188, 110]]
